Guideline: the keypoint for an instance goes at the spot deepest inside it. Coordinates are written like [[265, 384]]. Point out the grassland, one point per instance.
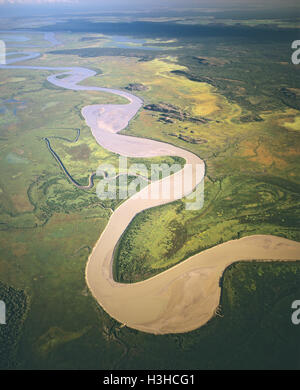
[[48, 227], [161, 237]]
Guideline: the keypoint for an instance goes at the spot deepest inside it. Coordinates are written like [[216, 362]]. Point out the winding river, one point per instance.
[[186, 296]]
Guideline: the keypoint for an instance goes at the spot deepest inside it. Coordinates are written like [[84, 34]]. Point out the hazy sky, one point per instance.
[[151, 3], [12, 8]]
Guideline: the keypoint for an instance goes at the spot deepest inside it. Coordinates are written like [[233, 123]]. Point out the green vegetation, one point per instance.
[[16, 303], [143, 55], [161, 237]]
